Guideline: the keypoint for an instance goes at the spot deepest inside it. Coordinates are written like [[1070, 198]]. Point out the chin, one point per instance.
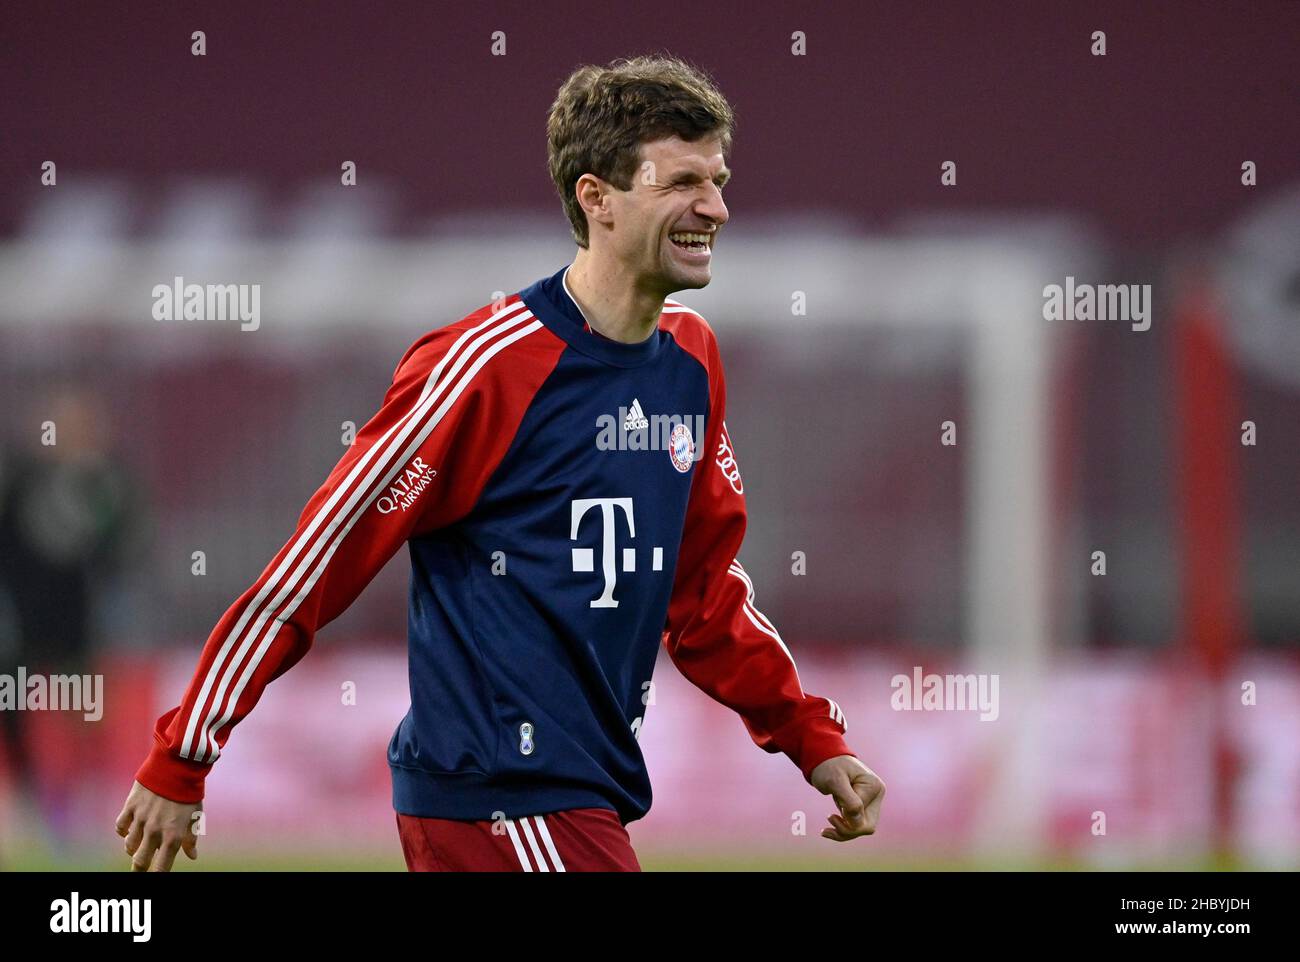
[[693, 283], [679, 279]]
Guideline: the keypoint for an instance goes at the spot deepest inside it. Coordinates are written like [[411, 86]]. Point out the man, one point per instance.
[[559, 464]]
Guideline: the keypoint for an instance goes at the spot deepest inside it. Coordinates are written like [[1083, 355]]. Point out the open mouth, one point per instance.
[[691, 242]]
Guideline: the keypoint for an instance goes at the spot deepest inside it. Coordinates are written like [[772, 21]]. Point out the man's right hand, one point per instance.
[[155, 828]]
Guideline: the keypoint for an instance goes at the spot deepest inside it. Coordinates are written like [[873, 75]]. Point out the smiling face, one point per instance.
[[664, 227]]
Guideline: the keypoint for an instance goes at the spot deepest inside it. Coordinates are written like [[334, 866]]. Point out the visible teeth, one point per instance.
[[689, 238]]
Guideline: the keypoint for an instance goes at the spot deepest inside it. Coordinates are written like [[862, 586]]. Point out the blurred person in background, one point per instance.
[[69, 520]]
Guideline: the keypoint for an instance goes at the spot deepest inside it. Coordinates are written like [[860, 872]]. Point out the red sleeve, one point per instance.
[[715, 635], [417, 465]]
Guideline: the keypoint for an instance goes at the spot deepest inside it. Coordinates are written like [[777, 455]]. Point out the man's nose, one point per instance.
[[712, 206]]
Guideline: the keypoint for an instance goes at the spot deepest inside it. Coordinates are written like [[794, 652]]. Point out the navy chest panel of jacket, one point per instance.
[[536, 619], [541, 476]]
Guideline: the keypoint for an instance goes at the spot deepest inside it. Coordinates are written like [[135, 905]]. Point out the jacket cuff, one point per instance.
[[178, 779], [816, 740]]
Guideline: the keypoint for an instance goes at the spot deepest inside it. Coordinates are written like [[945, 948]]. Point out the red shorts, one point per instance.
[[576, 840]]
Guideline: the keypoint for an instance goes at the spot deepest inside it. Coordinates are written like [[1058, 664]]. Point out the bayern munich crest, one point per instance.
[[681, 448]]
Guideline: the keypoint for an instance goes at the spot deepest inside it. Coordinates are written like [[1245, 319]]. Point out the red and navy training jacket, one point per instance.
[[569, 502]]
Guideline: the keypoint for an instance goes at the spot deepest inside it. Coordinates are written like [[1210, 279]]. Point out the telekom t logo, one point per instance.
[[584, 558]]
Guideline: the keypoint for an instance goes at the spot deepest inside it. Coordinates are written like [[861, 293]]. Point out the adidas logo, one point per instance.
[[635, 419]]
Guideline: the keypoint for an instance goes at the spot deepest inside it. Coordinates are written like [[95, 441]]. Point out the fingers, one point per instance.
[[155, 830], [876, 788], [861, 813], [166, 855], [124, 820], [143, 856], [157, 853], [846, 798], [134, 836], [851, 821], [840, 831]]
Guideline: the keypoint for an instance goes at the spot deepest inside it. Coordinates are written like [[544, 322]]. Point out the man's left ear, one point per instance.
[[603, 210]]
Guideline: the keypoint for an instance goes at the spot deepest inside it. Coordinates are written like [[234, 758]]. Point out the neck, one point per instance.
[[608, 296]]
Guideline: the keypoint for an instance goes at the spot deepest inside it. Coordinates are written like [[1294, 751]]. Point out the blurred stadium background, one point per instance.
[[1119, 693]]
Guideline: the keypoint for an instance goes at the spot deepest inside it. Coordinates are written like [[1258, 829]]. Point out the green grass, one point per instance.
[[37, 859]]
